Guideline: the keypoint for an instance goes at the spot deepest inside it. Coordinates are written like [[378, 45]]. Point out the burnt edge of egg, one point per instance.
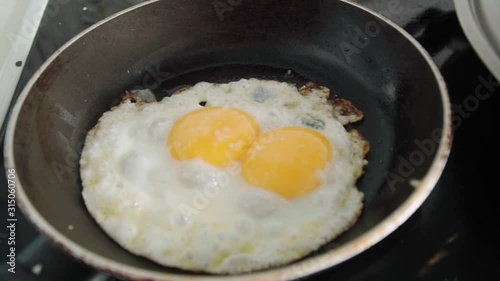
[[343, 110], [366, 144], [182, 89], [138, 96]]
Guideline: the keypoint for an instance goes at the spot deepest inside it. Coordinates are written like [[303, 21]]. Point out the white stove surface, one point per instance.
[[19, 22]]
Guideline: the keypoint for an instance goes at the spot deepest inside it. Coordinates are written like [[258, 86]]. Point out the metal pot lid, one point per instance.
[[481, 24]]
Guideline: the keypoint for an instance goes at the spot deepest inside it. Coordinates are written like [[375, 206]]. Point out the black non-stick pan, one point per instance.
[[162, 45]]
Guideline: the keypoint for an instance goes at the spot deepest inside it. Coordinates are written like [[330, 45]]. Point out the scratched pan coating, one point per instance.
[[161, 45]]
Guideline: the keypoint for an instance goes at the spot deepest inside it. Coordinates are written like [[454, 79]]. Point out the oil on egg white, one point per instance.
[[196, 216]]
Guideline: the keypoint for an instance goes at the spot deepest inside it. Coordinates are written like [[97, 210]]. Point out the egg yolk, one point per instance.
[[287, 161], [218, 135]]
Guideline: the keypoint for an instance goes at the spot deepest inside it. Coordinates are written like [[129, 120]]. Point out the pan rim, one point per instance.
[[291, 271]]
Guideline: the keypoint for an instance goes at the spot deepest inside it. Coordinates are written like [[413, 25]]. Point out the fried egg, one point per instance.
[[225, 178]]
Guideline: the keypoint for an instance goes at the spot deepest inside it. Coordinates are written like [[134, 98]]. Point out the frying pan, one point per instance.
[[161, 45]]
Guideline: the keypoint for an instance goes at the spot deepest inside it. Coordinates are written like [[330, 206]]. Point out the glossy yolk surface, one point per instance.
[[218, 135], [287, 160]]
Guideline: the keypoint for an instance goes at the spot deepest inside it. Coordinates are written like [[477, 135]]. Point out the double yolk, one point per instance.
[[284, 160]]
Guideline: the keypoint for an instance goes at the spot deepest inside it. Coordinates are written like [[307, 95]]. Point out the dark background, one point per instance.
[[452, 237]]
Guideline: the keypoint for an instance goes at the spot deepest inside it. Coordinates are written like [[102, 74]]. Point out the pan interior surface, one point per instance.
[[167, 44]]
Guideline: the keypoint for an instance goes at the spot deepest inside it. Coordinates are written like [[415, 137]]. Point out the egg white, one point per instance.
[[195, 216]]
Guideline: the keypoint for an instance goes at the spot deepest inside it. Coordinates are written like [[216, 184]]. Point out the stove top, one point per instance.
[[450, 238]]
